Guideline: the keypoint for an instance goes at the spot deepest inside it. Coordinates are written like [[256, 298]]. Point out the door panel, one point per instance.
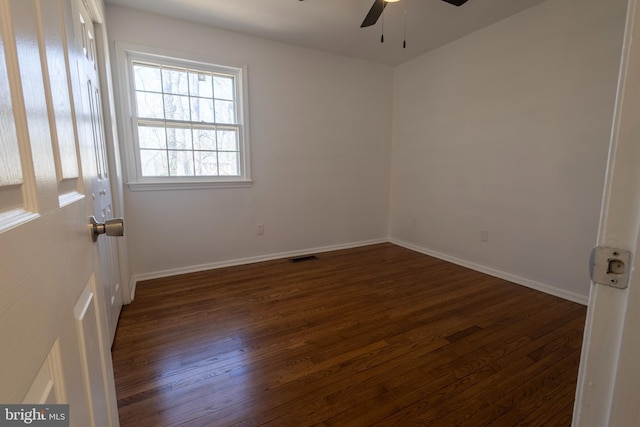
[[100, 185], [42, 390], [47, 256], [48, 387], [12, 202], [59, 100], [90, 338]]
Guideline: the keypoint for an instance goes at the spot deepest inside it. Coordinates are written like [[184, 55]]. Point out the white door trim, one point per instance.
[[600, 381]]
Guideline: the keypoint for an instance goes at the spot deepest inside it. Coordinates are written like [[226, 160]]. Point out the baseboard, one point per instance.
[[243, 261], [132, 288], [542, 287]]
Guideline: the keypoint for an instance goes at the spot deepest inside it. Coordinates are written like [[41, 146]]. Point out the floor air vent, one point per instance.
[[303, 258]]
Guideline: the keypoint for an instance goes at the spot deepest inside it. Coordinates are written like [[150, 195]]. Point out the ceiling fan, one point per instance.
[[379, 5]]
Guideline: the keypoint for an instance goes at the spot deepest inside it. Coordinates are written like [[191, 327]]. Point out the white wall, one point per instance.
[[507, 131], [320, 136]]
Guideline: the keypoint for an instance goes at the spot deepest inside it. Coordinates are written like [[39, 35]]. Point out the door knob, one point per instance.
[[111, 227]]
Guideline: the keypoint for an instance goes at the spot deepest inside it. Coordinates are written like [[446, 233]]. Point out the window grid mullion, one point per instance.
[[164, 116], [193, 151]]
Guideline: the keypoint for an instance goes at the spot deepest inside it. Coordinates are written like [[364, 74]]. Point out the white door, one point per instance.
[[100, 185], [609, 379], [53, 328]]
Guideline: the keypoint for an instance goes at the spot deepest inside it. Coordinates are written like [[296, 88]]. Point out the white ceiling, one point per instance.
[[334, 25]]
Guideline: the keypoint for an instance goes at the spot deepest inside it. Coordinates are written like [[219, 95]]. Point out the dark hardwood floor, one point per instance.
[[378, 335]]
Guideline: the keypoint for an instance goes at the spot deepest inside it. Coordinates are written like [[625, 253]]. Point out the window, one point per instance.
[[188, 123]]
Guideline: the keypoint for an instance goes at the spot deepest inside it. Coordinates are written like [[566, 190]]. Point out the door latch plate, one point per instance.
[[610, 266]]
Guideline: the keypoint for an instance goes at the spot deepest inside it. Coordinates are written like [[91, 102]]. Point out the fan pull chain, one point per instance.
[[382, 31], [404, 36]]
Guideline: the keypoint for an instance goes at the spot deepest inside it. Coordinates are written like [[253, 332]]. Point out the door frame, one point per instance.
[[608, 384]]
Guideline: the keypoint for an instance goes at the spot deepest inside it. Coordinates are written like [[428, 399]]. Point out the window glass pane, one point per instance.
[[227, 140], [181, 163], [179, 138], [224, 112], [149, 105], [147, 77], [154, 163], [152, 137], [223, 87], [204, 139], [202, 110], [177, 107], [200, 84], [175, 81], [206, 163], [228, 164]]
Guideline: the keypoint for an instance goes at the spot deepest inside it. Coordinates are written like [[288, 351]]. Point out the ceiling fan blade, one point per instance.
[[374, 13], [456, 2]]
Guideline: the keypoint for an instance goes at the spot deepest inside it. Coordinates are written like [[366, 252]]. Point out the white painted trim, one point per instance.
[[243, 261], [14, 218], [69, 198], [95, 9], [538, 286], [133, 281], [187, 185], [30, 191], [608, 382], [125, 54], [57, 372]]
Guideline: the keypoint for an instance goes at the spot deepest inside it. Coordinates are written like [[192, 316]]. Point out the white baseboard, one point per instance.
[[132, 288], [538, 286], [542, 287], [243, 261]]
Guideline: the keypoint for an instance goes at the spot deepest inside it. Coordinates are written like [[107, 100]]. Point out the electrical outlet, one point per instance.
[[260, 229], [484, 236]]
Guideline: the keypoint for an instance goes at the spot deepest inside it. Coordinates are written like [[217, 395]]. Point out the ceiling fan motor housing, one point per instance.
[[379, 5]]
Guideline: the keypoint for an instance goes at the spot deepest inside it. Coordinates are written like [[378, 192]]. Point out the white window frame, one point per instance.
[[126, 54]]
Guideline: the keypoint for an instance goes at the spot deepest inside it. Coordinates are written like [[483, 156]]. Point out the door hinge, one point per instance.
[[610, 266]]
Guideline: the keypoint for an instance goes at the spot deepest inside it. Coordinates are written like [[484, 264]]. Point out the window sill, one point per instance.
[[194, 185]]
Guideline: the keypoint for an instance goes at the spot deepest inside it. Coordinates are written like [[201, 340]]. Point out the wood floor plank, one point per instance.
[[447, 374], [378, 335]]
